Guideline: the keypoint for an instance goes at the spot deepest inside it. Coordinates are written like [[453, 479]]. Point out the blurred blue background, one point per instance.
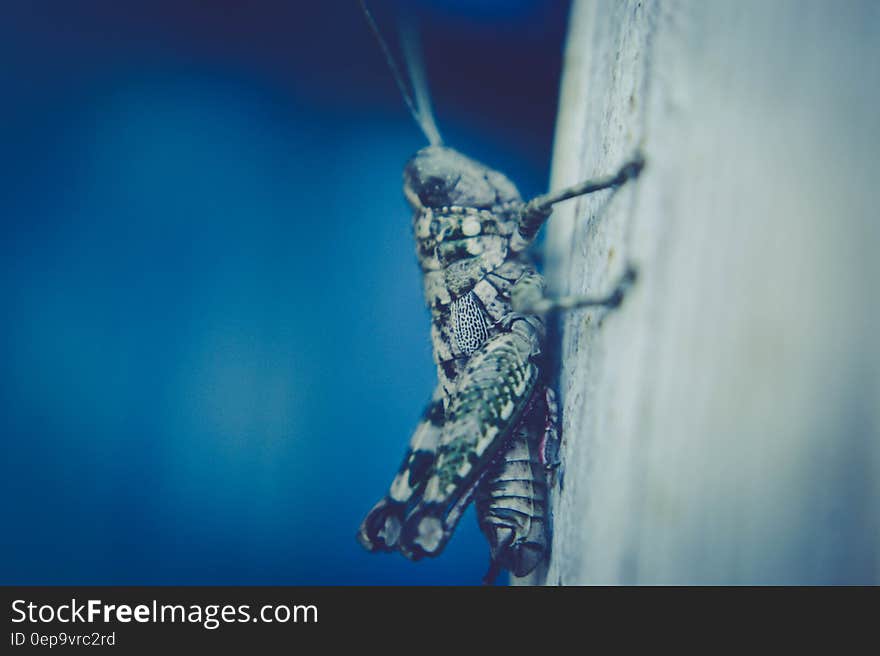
[[214, 346]]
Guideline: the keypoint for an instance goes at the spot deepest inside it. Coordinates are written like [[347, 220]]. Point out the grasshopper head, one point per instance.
[[438, 176]]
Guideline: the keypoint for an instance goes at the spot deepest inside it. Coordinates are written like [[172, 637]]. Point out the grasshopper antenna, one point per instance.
[[412, 54], [420, 109]]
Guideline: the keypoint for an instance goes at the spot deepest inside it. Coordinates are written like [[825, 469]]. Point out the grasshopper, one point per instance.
[[490, 431]]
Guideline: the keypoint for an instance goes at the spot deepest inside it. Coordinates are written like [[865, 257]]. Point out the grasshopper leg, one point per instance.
[[536, 212], [380, 530], [486, 404], [527, 295]]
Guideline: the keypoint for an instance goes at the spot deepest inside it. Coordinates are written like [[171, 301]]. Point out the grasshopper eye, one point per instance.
[[442, 177], [434, 192]]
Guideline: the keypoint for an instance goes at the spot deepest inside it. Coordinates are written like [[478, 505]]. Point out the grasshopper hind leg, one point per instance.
[[381, 528], [488, 400]]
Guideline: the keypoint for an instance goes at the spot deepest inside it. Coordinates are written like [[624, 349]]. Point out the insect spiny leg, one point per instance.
[[628, 171], [536, 212], [527, 301]]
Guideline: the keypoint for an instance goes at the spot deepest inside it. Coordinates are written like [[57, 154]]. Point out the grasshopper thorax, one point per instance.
[[439, 176]]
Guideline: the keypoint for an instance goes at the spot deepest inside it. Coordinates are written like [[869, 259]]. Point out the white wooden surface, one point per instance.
[[722, 426]]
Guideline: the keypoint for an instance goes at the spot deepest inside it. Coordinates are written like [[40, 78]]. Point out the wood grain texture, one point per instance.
[[722, 426]]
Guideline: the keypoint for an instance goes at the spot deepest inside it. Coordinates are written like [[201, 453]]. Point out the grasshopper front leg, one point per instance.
[[536, 212]]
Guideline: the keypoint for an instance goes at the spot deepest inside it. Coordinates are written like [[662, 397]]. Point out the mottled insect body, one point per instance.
[[483, 434], [492, 422], [493, 419]]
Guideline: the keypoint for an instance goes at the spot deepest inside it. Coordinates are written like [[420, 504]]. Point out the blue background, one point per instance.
[[214, 345]]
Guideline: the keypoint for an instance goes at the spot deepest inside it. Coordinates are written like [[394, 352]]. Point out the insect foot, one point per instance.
[[627, 280], [632, 169]]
